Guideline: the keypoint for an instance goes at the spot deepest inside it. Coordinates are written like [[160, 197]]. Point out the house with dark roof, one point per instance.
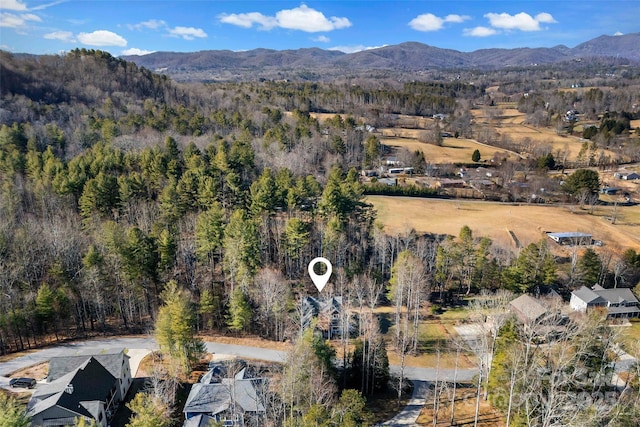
[[114, 361], [81, 386], [236, 401], [329, 313], [618, 302]]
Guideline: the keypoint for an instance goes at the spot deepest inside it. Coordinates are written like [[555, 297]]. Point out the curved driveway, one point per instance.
[[138, 347]]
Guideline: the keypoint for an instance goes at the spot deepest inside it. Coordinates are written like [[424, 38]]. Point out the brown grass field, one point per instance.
[[511, 124], [495, 220], [452, 150]]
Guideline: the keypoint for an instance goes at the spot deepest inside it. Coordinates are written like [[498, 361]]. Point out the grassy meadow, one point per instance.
[[495, 220]]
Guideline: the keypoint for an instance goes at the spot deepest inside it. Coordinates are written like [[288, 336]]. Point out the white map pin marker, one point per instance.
[[320, 280]]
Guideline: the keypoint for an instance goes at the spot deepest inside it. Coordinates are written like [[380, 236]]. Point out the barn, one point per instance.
[[571, 238]]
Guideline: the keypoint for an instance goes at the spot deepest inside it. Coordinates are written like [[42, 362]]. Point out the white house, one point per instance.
[[619, 302]]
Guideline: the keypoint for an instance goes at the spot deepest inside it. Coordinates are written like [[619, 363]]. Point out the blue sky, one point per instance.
[[124, 27]]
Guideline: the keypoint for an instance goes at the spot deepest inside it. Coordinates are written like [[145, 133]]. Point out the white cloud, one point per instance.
[[246, 20], [521, 21], [304, 18], [16, 5], [136, 51], [31, 17], [102, 38], [354, 48], [65, 36], [618, 33], [457, 19], [151, 24], [479, 32], [545, 18], [187, 33], [431, 22], [427, 22], [10, 20], [321, 39], [301, 18]]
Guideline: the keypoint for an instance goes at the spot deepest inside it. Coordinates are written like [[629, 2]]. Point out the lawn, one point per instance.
[[495, 220], [630, 335], [435, 335]]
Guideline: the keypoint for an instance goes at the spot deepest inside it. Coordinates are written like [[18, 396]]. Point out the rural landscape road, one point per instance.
[[141, 346]]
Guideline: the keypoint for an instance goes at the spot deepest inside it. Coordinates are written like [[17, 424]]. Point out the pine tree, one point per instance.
[[475, 157], [148, 411], [240, 313], [13, 414], [175, 328]]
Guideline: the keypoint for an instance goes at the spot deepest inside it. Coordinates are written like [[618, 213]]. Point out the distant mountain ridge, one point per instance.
[[408, 56]]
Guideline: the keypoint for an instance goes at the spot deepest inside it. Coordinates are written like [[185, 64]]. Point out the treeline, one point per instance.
[[382, 189]]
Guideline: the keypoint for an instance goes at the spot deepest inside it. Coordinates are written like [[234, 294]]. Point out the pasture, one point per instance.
[[511, 123], [452, 150], [495, 220]]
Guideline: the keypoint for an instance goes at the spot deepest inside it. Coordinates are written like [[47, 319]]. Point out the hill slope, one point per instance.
[[409, 56]]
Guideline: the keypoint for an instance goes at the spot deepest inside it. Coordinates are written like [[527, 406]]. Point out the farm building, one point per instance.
[[627, 176], [451, 183], [609, 190], [571, 238]]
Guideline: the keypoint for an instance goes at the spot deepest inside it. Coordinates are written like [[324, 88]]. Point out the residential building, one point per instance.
[[329, 313], [540, 315], [83, 386], [618, 302], [236, 401]]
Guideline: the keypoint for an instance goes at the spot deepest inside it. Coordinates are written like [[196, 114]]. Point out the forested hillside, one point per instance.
[[115, 181], [121, 189]]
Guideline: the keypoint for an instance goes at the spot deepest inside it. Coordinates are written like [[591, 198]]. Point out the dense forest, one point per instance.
[[115, 181]]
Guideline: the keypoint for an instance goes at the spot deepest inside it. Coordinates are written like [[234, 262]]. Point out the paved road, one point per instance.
[[140, 346]]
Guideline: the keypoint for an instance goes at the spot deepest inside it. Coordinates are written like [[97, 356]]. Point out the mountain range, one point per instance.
[[409, 56]]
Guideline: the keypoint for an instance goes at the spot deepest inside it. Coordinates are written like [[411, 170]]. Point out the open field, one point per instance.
[[452, 150], [495, 220], [511, 124]]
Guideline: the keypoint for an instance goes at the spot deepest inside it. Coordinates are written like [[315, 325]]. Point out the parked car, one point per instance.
[[22, 382]]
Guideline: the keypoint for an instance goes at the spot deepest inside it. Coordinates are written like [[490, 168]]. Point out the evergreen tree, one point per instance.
[[582, 181], [350, 410], [148, 411], [534, 266], [475, 156], [209, 232], [241, 248], [589, 267], [175, 328], [240, 312], [12, 413]]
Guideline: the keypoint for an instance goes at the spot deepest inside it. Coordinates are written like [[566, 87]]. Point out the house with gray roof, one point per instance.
[[618, 302], [528, 309], [543, 316], [329, 313], [81, 386], [236, 401]]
